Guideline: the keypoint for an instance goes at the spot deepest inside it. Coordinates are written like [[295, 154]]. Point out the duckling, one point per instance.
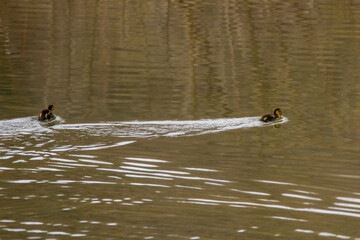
[[47, 114], [271, 117]]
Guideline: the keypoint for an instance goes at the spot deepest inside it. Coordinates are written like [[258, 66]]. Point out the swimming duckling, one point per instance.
[[47, 114], [271, 117]]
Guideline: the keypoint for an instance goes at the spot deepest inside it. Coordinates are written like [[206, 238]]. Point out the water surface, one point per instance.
[[157, 133]]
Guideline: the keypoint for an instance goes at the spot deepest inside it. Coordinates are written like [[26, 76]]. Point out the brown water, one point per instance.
[[157, 134]]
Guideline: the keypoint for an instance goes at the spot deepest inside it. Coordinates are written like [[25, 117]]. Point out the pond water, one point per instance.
[[157, 134]]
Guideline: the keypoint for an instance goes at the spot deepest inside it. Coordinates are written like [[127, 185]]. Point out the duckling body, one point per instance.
[[47, 114], [267, 118], [272, 117]]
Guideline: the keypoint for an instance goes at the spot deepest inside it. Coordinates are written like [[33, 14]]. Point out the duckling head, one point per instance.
[[51, 108], [277, 112]]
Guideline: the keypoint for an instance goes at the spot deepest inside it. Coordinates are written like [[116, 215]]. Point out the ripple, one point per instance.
[[276, 206], [32, 223], [189, 187], [155, 170], [345, 209], [25, 126], [149, 184], [24, 181], [275, 182], [98, 146], [49, 169], [145, 176], [356, 200], [146, 160], [348, 205], [327, 234], [301, 196], [82, 156], [95, 161], [167, 128], [289, 219], [141, 164], [6, 168], [36, 231], [161, 173], [14, 229], [78, 165], [251, 192], [304, 231], [201, 169], [63, 160], [7, 221]]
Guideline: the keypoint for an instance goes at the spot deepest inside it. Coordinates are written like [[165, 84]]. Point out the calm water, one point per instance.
[[157, 134]]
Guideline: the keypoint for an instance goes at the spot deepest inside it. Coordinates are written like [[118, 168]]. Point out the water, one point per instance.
[[157, 133]]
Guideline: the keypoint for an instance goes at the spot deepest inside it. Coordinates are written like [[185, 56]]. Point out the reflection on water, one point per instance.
[[35, 134], [63, 168], [136, 129], [157, 138]]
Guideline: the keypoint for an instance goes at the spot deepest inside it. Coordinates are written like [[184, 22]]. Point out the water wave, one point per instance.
[[168, 128], [137, 129], [26, 126]]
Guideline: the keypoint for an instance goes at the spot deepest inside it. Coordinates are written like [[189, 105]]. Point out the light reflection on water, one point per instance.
[[30, 125], [146, 174], [25, 129], [98, 173], [68, 168]]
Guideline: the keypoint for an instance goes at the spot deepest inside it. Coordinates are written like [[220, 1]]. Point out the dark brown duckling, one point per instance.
[[47, 114], [271, 117]]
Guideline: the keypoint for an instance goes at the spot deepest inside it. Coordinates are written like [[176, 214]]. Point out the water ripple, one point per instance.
[[289, 219], [301, 196], [98, 146], [170, 128], [275, 206]]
